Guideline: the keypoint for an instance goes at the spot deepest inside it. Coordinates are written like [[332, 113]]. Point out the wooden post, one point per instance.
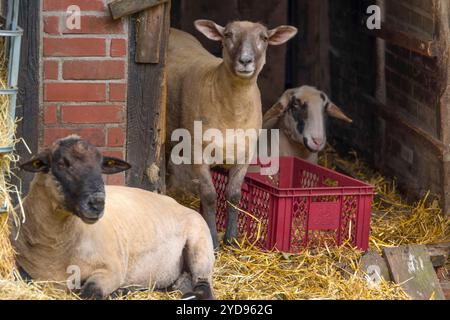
[[311, 54], [441, 11], [150, 25], [147, 103], [29, 84]]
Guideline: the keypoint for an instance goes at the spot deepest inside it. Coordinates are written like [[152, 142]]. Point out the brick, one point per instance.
[[85, 5], [79, 47], [51, 70], [116, 180], [51, 25], [114, 154], [94, 70], [97, 25], [116, 137], [92, 114], [94, 135], [118, 92], [118, 48], [51, 115], [88, 92]]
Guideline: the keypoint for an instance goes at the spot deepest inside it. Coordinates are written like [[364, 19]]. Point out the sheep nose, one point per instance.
[[317, 141], [96, 202], [245, 61]]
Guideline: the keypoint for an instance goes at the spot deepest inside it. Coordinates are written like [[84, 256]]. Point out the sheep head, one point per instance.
[[245, 44], [73, 168], [303, 112]]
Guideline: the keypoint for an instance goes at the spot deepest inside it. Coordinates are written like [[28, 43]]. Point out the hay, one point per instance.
[[395, 221], [7, 139], [7, 125], [247, 273]]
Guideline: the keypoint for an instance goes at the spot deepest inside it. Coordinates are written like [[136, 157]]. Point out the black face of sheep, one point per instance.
[[76, 167]]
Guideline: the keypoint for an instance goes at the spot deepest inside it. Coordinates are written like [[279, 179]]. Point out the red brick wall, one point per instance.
[[84, 77]]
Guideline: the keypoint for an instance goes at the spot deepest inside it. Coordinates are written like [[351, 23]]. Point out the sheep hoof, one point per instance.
[[231, 239], [202, 291], [91, 291], [231, 242]]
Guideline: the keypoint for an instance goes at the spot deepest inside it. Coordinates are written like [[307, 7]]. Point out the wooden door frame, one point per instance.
[[29, 86], [146, 106]]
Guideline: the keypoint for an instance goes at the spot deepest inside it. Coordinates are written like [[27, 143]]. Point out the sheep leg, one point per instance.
[[100, 285], [208, 197], [233, 196], [199, 257]]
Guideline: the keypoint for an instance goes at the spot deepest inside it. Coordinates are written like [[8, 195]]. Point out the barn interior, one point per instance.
[[392, 83]]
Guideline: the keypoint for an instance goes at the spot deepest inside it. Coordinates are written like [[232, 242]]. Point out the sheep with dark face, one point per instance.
[[301, 115], [115, 236]]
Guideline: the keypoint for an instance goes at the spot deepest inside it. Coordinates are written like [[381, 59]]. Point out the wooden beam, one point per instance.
[[410, 266], [122, 8], [436, 146], [410, 41], [441, 12], [150, 25], [146, 112], [29, 84]]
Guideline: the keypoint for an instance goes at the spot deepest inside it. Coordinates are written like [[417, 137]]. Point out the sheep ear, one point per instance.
[[281, 35], [274, 113], [40, 163], [113, 165], [210, 29], [335, 112]]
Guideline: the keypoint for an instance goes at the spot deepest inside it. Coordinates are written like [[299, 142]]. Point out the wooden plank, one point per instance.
[[122, 8], [410, 41], [436, 146], [150, 25], [29, 83], [410, 266], [146, 104]]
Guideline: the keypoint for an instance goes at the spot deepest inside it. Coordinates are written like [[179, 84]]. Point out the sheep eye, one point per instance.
[[228, 35], [264, 38], [298, 104]]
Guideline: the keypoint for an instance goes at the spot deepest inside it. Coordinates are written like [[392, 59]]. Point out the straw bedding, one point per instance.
[[7, 129], [244, 272]]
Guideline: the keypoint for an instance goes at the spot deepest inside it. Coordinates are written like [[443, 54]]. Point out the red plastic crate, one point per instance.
[[303, 206]]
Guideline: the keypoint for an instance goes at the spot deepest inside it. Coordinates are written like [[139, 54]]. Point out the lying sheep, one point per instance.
[[222, 94], [300, 115], [116, 236]]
